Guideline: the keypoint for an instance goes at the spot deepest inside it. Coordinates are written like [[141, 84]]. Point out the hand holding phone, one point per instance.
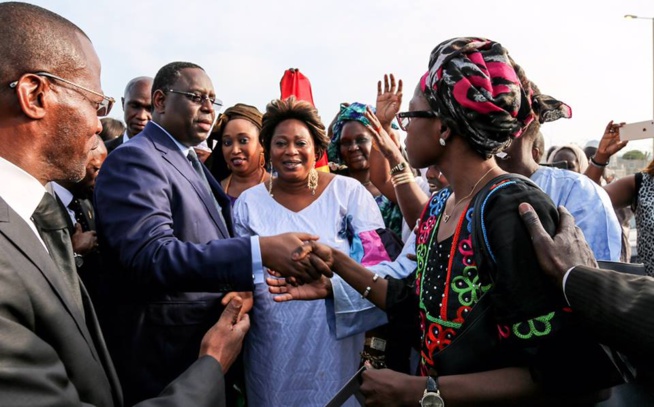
[[637, 131]]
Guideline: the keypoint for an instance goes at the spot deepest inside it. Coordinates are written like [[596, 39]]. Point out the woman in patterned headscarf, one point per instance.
[[349, 150], [501, 333]]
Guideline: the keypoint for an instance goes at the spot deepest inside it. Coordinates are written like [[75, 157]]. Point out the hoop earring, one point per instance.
[[442, 141], [313, 181], [271, 180]]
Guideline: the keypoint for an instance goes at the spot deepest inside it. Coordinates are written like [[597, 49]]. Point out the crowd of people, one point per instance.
[[193, 257]]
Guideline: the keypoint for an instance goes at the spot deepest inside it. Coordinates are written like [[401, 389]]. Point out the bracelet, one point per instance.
[[375, 277], [402, 178], [596, 164], [366, 292], [398, 168]]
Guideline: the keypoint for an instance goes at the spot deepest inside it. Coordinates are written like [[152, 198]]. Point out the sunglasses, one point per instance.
[[404, 118]]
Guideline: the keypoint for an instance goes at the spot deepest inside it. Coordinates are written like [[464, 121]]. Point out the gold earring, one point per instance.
[[313, 180]]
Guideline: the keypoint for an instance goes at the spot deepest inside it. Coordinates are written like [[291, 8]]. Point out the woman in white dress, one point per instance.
[[301, 353]]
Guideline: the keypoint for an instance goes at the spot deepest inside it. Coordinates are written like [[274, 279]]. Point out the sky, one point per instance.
[[583, 53]]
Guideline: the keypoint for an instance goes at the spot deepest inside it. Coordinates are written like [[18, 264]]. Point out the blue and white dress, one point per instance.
[[300, 353]]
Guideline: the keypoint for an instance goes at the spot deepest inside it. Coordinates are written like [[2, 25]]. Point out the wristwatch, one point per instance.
[[398, 168], [432, 397]]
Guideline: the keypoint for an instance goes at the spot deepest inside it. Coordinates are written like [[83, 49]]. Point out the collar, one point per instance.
[[125, 137], [64, 195], [185, 150], [20, 190]]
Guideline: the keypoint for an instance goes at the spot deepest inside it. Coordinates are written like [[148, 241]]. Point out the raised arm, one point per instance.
[[608, 146]]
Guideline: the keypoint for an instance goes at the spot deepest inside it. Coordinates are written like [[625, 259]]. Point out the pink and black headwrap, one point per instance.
[[480, 91]]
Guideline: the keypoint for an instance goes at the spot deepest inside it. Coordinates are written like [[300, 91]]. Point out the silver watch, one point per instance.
[[432, 396]]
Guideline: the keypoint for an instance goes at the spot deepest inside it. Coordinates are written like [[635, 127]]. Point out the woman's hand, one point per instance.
[[385, 387], [610, 143], [382, 141], [282, 291], [389, 100]]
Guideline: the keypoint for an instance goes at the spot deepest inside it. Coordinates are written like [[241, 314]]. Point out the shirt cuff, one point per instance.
[[257, 262], [565, 279]]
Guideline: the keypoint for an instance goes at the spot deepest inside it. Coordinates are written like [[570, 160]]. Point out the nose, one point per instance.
[[98, 128], [144, 114]]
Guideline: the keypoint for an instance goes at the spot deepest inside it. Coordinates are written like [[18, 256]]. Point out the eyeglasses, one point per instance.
[[199, 99], [103, 107], [404, 118]]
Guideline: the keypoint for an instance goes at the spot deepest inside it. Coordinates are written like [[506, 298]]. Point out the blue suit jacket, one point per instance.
[[168, 256]]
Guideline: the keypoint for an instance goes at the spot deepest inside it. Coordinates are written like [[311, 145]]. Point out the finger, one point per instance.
[[530, 218], [283, 298], [393, 87], [306, 236], [302, 252], [228, 297], [399, 87], [310, 271], [379, 88], [412, 257], [279, 285], [232, 310], [321, 266], [275, 273], [566, 220], [292, 281], [78, 228], [386, 86]]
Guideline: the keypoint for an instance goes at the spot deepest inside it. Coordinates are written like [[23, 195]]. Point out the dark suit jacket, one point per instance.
[[616, 307], [170, 255], [112, 144], [52, 354]]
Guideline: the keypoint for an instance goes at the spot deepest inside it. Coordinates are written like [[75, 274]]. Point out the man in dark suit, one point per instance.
[[51, 348], [165, 223], [75, 199], [616, 307], [137, 107]]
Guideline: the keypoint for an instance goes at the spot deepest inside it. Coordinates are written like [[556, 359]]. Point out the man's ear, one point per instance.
[[33, 96], [159, 101], [122, 102]]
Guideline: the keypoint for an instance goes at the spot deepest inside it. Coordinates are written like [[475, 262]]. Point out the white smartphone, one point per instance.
[[637, 131]]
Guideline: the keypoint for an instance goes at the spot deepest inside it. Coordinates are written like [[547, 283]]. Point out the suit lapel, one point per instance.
[[24, 239], [174, 157], [88, 212]]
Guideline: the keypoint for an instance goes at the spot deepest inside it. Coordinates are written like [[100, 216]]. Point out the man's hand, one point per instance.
[[224, 340], [568, 248], [276, 252], [283, 291], [83, 242]]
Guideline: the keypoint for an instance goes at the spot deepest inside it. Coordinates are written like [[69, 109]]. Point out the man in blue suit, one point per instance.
[[165, 226]]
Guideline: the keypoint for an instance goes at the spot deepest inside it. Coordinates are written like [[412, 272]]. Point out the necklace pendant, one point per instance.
[[446, 217]]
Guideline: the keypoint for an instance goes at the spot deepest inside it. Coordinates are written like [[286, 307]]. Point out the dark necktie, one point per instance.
[[50, 222], [197, 166], [76, 207]]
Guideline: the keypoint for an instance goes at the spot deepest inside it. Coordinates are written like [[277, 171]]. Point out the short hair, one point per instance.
[[168, 75], [280, 110], [134, 82], [34, 39], [111, 128]]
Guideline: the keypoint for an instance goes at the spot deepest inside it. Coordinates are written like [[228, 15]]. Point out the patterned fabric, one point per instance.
[[475, 83], [353, 112], [293, 356], [645, 223], [391, 214], [448, 283]]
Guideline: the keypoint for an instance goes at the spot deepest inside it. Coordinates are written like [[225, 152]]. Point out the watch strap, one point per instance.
[[432, 385], [398, 168]]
